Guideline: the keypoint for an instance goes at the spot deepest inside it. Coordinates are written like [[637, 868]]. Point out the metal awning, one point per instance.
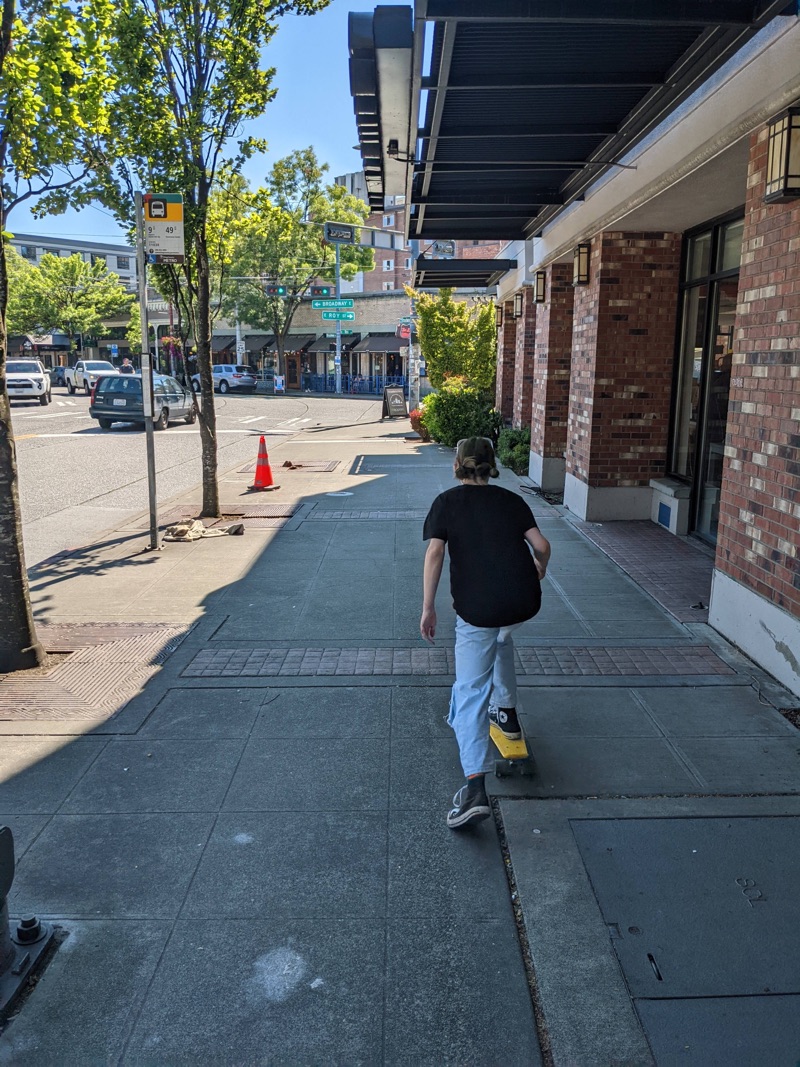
[[459, 273], [293, 342], [323, 344], [255, 342], [524, 104], [223, 343], [381, 342]]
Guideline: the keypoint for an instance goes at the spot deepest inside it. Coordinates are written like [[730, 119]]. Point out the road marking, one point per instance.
[[54, 415], [253, 418]]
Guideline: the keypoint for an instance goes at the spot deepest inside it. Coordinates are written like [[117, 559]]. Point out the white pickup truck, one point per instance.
[[86, 372]]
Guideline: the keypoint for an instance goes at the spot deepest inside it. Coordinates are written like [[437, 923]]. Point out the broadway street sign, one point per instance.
[[331, 303]]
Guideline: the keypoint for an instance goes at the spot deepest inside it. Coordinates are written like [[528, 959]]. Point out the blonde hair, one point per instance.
[[475, 459]]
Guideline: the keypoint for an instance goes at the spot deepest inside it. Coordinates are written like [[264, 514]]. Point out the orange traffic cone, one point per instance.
[[263, 478]]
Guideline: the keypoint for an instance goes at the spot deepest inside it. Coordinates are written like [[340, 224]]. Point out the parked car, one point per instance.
[[86, 372], [229, 376], [26, 379], [118, 398], [58, 376]]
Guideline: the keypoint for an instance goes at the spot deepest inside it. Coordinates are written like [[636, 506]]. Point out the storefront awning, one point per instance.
[[519, 107], [295, 342], [255, 342], [459, 273], [222, 344], [323, 344], [387, 343]]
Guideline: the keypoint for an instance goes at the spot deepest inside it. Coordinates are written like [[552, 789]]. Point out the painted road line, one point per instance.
[[54, 415]]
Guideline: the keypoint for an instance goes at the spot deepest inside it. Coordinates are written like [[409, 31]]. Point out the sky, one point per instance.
[[313, 107]]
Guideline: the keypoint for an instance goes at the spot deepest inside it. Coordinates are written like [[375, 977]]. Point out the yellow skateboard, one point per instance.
[[516, 756]]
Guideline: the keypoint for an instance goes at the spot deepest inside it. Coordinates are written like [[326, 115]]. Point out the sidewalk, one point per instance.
[[230, 794]]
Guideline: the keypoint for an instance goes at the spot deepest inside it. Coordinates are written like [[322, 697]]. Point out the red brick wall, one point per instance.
[[623, 352], [553, 358], [759, 517], [506, 356], [399, 275], [524, 361]]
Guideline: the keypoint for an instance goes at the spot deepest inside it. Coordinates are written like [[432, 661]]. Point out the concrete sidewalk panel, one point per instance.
[[437, 873], [292, 991], [746, 765], [582, 712], [25, 829], [110, 866], [703, 712], [331, 712], [154, 775], [599, 766], [426, 772], [312, 774], [457, 994], [204, 713], [84, 1004], [616, 606], [721, 1032], [420, 712], [37, 774], [284, 864]]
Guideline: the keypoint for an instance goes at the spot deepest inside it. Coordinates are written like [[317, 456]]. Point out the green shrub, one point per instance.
[[514, 449], [457, 411]]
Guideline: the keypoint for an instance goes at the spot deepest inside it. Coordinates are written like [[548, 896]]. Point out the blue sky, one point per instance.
[[313, 107]]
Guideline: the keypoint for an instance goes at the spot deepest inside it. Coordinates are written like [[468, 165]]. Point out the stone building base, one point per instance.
[[548, 473], [764, 632], [603, 504]]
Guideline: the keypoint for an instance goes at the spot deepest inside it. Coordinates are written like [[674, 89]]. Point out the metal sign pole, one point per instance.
[[147, 373], [338, 362]]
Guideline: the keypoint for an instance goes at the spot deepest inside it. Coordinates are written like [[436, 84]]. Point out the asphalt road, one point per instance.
[[77, 481]]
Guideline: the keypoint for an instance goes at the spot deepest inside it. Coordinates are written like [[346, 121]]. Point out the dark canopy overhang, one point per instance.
[[459, 273], [526, 103]]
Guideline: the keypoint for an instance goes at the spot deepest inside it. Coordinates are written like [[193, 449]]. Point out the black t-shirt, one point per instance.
[[493, 576]]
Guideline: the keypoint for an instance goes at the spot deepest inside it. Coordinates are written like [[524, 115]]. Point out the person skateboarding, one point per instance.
[[495, 584]]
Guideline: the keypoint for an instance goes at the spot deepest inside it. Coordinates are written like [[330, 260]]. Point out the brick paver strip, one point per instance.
[[606, 661]]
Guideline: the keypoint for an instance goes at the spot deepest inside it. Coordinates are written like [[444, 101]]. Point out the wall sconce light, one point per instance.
[[540, 286], [783, 157], [498, 315], [518, 305], [580, 264]]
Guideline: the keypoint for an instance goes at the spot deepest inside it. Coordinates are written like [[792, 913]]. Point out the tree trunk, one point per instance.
[[208, 418], [19, 647]]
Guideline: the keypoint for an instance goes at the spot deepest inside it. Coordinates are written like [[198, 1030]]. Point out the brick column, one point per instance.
[[756, 593], [524, 360], [623, 354], [506, 356], [553, 358]]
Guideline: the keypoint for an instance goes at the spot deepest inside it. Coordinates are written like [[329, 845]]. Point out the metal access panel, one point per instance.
[[699, 907], [723, 1031]]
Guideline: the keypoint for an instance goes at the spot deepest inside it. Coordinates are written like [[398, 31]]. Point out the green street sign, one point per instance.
[[342, 333], [344, 316], [331, 303]]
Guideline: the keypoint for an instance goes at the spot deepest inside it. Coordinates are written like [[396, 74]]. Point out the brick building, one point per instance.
[[649, 332]]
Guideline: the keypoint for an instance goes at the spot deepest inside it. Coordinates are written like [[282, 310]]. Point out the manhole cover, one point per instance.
[[699, 907]]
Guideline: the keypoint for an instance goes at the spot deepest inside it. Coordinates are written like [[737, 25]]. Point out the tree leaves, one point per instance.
[[457, 338]]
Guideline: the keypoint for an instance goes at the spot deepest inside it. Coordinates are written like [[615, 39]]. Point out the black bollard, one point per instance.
[[23, 945]]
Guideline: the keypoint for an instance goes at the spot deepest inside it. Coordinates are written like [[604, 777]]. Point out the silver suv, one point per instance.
[[229, 376]]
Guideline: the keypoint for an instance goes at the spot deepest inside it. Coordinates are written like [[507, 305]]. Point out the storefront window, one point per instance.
[[731, 246], [698, 262]]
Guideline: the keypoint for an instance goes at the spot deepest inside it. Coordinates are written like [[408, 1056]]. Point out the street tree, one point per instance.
[[280, 240], [54, 84], [190, 77], [67, 295], [457, 338]]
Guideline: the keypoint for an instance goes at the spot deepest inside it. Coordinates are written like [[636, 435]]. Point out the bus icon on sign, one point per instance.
[[158, 209]]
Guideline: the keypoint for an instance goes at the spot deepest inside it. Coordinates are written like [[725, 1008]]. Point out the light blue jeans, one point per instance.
[[484, 674]]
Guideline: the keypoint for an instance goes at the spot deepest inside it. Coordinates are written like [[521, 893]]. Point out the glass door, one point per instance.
[[716, 411]]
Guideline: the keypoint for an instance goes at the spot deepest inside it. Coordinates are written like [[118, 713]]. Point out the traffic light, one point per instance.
[[322, 290], [275, 289]]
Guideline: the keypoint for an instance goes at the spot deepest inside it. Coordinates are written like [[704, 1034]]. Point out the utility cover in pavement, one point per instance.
[[699, 907]]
